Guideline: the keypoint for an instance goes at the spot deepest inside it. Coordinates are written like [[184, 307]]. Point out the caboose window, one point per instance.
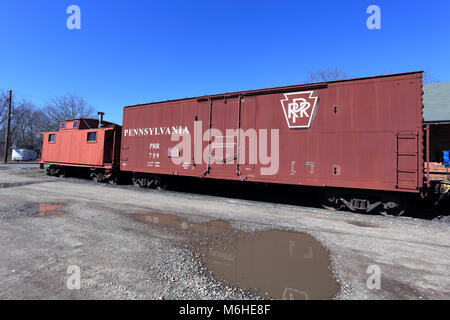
[[63, 125], [92, 136], [52, 138], [75, 124]]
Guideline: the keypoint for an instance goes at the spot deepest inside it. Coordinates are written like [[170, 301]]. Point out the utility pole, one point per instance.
[[8, 124]]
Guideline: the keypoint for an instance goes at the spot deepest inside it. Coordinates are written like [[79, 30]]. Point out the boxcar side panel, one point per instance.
[[362, 133]]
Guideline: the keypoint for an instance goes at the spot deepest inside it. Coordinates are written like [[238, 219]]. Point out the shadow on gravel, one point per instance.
[[424, 210], [290, 195], [279, 194], [270, 193]]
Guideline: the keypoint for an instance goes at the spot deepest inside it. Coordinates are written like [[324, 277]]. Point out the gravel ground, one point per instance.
[[121, 258]]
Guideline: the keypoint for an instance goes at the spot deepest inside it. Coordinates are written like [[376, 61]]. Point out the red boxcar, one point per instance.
[[359, 134], [82, 143]]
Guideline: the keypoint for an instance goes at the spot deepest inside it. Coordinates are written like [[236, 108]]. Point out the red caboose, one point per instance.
[[83, 145]]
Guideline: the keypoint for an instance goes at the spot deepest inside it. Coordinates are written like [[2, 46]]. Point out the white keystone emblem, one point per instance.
[[299, 109]]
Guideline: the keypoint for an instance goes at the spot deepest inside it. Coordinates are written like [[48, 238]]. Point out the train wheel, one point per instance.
[[161, 184], [392, 207], [51, 171], [329, 200], [136, 182], [113, 180], [54, 171], [97, 177]]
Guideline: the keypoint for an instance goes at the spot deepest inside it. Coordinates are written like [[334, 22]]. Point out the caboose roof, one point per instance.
[[89, 123]]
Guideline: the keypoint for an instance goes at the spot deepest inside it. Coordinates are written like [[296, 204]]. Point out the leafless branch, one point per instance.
[[324, 75]]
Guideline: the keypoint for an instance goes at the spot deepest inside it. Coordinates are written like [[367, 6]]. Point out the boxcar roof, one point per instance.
[[316, 85]]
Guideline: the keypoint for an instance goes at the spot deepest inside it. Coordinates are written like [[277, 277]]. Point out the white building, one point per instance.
[[23, 155]]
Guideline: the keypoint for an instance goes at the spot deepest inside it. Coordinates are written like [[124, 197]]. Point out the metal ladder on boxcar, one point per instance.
[[407, 160]]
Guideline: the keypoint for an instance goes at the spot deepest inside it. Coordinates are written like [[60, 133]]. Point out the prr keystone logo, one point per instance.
[[299, 109]]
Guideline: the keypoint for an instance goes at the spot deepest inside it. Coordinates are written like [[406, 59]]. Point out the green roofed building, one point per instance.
[[436, 114], [436, 101]]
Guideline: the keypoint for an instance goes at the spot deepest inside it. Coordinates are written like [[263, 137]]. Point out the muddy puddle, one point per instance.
[[47, 209], [15, 185], [274, 264]]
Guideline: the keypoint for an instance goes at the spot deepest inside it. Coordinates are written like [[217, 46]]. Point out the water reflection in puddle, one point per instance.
[[15, 185], [47, 209], [274, 264]]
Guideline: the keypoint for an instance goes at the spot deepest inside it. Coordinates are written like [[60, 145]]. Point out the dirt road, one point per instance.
[[146, 244]]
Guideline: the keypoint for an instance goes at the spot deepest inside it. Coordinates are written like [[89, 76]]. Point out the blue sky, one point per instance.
[[137, 51]]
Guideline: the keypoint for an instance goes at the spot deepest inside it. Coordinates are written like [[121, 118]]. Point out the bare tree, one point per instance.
[[28, 121], [323, 75], [4, 96], [24, 129], [26, 125], [65, 108]]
